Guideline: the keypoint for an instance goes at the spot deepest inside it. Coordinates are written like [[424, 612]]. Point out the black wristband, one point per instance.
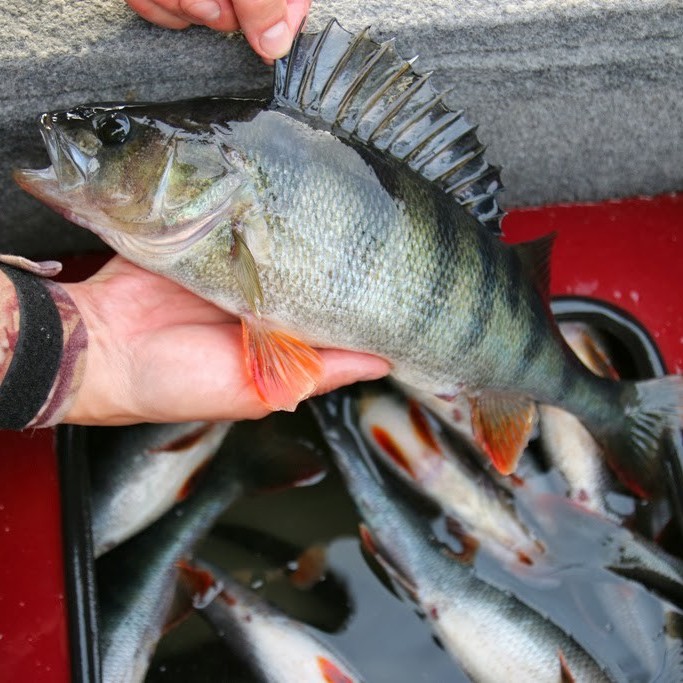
[[37, 354]]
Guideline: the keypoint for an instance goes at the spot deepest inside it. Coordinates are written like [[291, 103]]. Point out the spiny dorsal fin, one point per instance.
[[535, 257], [364, 90]]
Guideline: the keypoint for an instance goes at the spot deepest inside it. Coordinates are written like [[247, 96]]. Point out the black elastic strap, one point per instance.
[[37, 355]]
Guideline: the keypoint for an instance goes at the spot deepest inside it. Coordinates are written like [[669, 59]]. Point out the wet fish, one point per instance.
[[567, 443], [404, 437], [277, 648], [138, 473], [491, 634], [353, 209], [137, 580]]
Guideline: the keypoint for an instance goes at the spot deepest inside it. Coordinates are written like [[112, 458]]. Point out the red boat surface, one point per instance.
[[624, 252]]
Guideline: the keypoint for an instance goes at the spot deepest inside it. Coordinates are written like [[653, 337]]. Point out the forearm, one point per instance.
[[43, 344]]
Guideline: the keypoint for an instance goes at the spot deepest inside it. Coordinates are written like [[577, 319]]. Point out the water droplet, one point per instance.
[[609, 627], [22, 603], [6, 529], [635, 296]]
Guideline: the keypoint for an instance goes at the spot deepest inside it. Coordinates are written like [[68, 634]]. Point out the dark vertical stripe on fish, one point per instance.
[[444, 274], [483, 309], [534, 343], [569, 378], [513, 292]]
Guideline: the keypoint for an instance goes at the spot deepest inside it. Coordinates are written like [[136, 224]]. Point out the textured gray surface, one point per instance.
[[577, 100]]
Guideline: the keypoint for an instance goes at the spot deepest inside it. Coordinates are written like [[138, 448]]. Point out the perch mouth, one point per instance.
[[68, 168]]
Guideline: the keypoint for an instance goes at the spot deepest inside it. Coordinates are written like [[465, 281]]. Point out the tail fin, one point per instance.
[[651, 408]]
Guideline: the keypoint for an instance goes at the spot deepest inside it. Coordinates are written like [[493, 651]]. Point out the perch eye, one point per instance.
[[112, 128]]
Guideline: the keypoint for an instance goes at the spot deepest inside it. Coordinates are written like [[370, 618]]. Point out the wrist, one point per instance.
[[102, 396], [43, 344]]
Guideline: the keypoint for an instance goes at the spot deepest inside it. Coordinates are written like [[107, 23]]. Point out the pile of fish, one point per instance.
[[532, 577], [353, 209]]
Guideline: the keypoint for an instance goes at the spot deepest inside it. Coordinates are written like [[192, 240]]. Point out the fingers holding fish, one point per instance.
[[179, 14], [141, 324], [268, 25], [216, 14], [156, 13]]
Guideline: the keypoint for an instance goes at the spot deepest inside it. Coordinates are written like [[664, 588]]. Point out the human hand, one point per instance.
[[158, 353], [268, 25]]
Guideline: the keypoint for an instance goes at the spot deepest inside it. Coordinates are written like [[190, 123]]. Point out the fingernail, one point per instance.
[[205, 10], [277, 40]]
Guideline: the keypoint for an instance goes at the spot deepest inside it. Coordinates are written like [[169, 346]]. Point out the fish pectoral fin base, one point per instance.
[[502, 424], [246, 272], [285, 370]]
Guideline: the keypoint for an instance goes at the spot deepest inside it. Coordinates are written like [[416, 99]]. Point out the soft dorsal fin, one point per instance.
[[535, 257], [364, 90]]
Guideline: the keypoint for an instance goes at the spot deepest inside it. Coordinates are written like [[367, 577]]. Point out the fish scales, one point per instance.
[[352, 210], [513, 642], [369, 258]]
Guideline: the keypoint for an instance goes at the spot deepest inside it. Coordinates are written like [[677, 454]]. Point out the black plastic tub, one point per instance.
[[636, 356]]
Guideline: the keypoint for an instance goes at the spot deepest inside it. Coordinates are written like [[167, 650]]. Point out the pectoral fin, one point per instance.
[[247, 273], [502, 425], [285, 369]]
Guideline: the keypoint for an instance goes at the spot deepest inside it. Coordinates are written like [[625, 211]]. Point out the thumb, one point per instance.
[[264, 24]]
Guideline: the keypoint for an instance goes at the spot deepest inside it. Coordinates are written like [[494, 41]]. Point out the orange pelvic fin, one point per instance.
[[502, 425], [285, 369], [331, 672]]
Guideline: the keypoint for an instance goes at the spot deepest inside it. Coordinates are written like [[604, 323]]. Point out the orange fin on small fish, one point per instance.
[[470, 545], [331, 672], [184, 442], [502, 425], [373, 549], [566, 676], [285, 369], [392, 450], [594, 357], [421, 426]]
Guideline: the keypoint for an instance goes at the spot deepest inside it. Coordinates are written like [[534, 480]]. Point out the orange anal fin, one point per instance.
[[285, 370], [502, 425]]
